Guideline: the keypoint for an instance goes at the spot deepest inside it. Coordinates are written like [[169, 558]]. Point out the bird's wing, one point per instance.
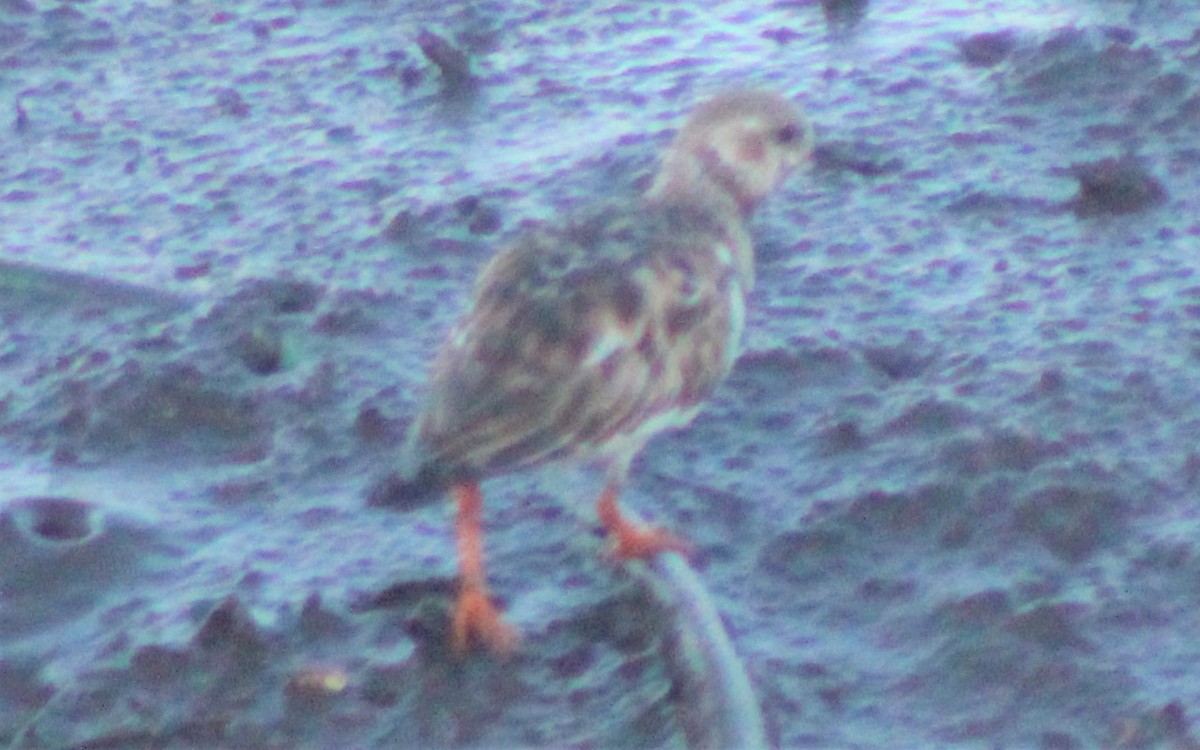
[[603, 329]]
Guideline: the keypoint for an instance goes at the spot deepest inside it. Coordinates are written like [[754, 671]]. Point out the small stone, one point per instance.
[[317, 622], [861, 158], [1115, 186], [842, 437], [260, 350], [156, 663], [453, 63], [229, 626], [844, 14], [987, 49], [231, 103], [372, 426], [312, 687], [401, 227]]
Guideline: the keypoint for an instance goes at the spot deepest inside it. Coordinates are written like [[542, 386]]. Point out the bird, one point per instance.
[[588, 336]]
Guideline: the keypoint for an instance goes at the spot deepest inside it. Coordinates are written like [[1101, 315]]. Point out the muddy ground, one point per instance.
[[946, 499]]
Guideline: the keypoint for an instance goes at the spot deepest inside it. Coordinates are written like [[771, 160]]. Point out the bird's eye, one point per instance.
[[787, 134]]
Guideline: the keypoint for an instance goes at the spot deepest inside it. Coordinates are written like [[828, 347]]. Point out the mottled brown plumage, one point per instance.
[[587, 338], [578, 336]]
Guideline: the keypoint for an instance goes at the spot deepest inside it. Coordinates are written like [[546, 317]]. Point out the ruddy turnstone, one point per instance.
[[587, 338]]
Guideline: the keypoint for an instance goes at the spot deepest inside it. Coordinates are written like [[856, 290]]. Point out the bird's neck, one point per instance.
[[698, 184], [703, 180]]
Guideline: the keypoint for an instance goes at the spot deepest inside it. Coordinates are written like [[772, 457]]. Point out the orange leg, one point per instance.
[[633, 541], [474, 614]]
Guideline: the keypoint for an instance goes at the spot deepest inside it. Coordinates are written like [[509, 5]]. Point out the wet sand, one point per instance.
[[946, 499]]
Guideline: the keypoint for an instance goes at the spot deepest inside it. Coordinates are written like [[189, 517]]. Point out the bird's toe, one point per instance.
[[476, 620]]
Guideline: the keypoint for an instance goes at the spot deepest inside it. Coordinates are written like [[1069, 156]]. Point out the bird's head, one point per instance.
[[739, 145]]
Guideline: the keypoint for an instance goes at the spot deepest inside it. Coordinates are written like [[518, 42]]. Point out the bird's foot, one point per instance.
[[632, 541], [476, 619]]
